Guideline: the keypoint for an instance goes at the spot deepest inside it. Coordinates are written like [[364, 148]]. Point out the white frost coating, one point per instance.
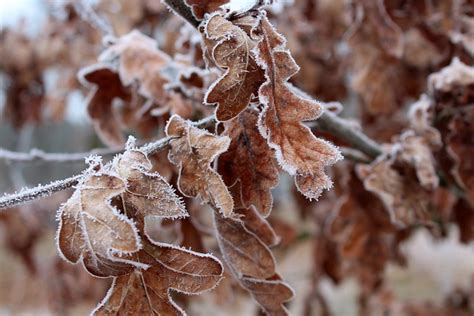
[[266, 133], [239, 6], [131, 143], [456, 73], [40, 191]]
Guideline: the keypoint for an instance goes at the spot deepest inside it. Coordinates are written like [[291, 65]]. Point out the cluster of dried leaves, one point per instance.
[[125, 221]]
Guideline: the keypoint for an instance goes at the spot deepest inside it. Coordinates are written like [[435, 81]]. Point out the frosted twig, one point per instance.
[[35, 155], [37, 192], [181, 9], [40, 191]]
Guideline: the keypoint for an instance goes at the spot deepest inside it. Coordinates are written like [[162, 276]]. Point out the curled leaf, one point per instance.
[[193, 151], [141, 62], [252, 262], [229, 47], [106, 88]]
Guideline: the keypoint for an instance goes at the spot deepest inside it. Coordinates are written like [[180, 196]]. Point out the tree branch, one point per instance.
[[182, 10]]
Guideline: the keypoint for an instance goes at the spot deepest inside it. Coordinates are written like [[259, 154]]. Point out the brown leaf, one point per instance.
[[243, 250], [298, 151], [146, 292], [415, 150], [93, 230], [250, 162], [107, 87], [193, 151], [463, 215], [141, 62], [460, 147], [147, 193], [404, 198], [252, 262], [201, 7], [229, 47], [270, 294], [390, 36]]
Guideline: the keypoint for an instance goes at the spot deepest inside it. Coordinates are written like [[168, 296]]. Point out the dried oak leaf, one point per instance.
[[140, 61], [147, 193], [106, 88], [404, 198], [229, 47], [297, 150], [363, 232], [249, 162], [270, 294], [415, 150], [201, 7], [93, 230], [252, 263], [255, 223], [243, 250], [146, 292], [192, 152]]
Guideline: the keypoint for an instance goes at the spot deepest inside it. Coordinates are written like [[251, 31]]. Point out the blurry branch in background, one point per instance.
[[37, 155], [87, 13]]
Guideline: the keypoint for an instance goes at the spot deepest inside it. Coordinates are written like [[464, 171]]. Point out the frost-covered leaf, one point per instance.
[[251, 261], [147, 193], [249, 165], [229, 47], [193, 151], [298, 151], [106, 88], [146, 292], [201, 7], [415, 150], [139, 61], [243, 250], [93, 230], [404, 198]]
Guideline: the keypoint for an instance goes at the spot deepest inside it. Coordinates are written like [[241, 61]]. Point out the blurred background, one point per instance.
[[44, 43]]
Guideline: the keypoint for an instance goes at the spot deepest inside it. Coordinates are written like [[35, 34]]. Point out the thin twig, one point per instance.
[[338, 127], [354, 155], [182, 10], [37, 192], [38, 155]]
